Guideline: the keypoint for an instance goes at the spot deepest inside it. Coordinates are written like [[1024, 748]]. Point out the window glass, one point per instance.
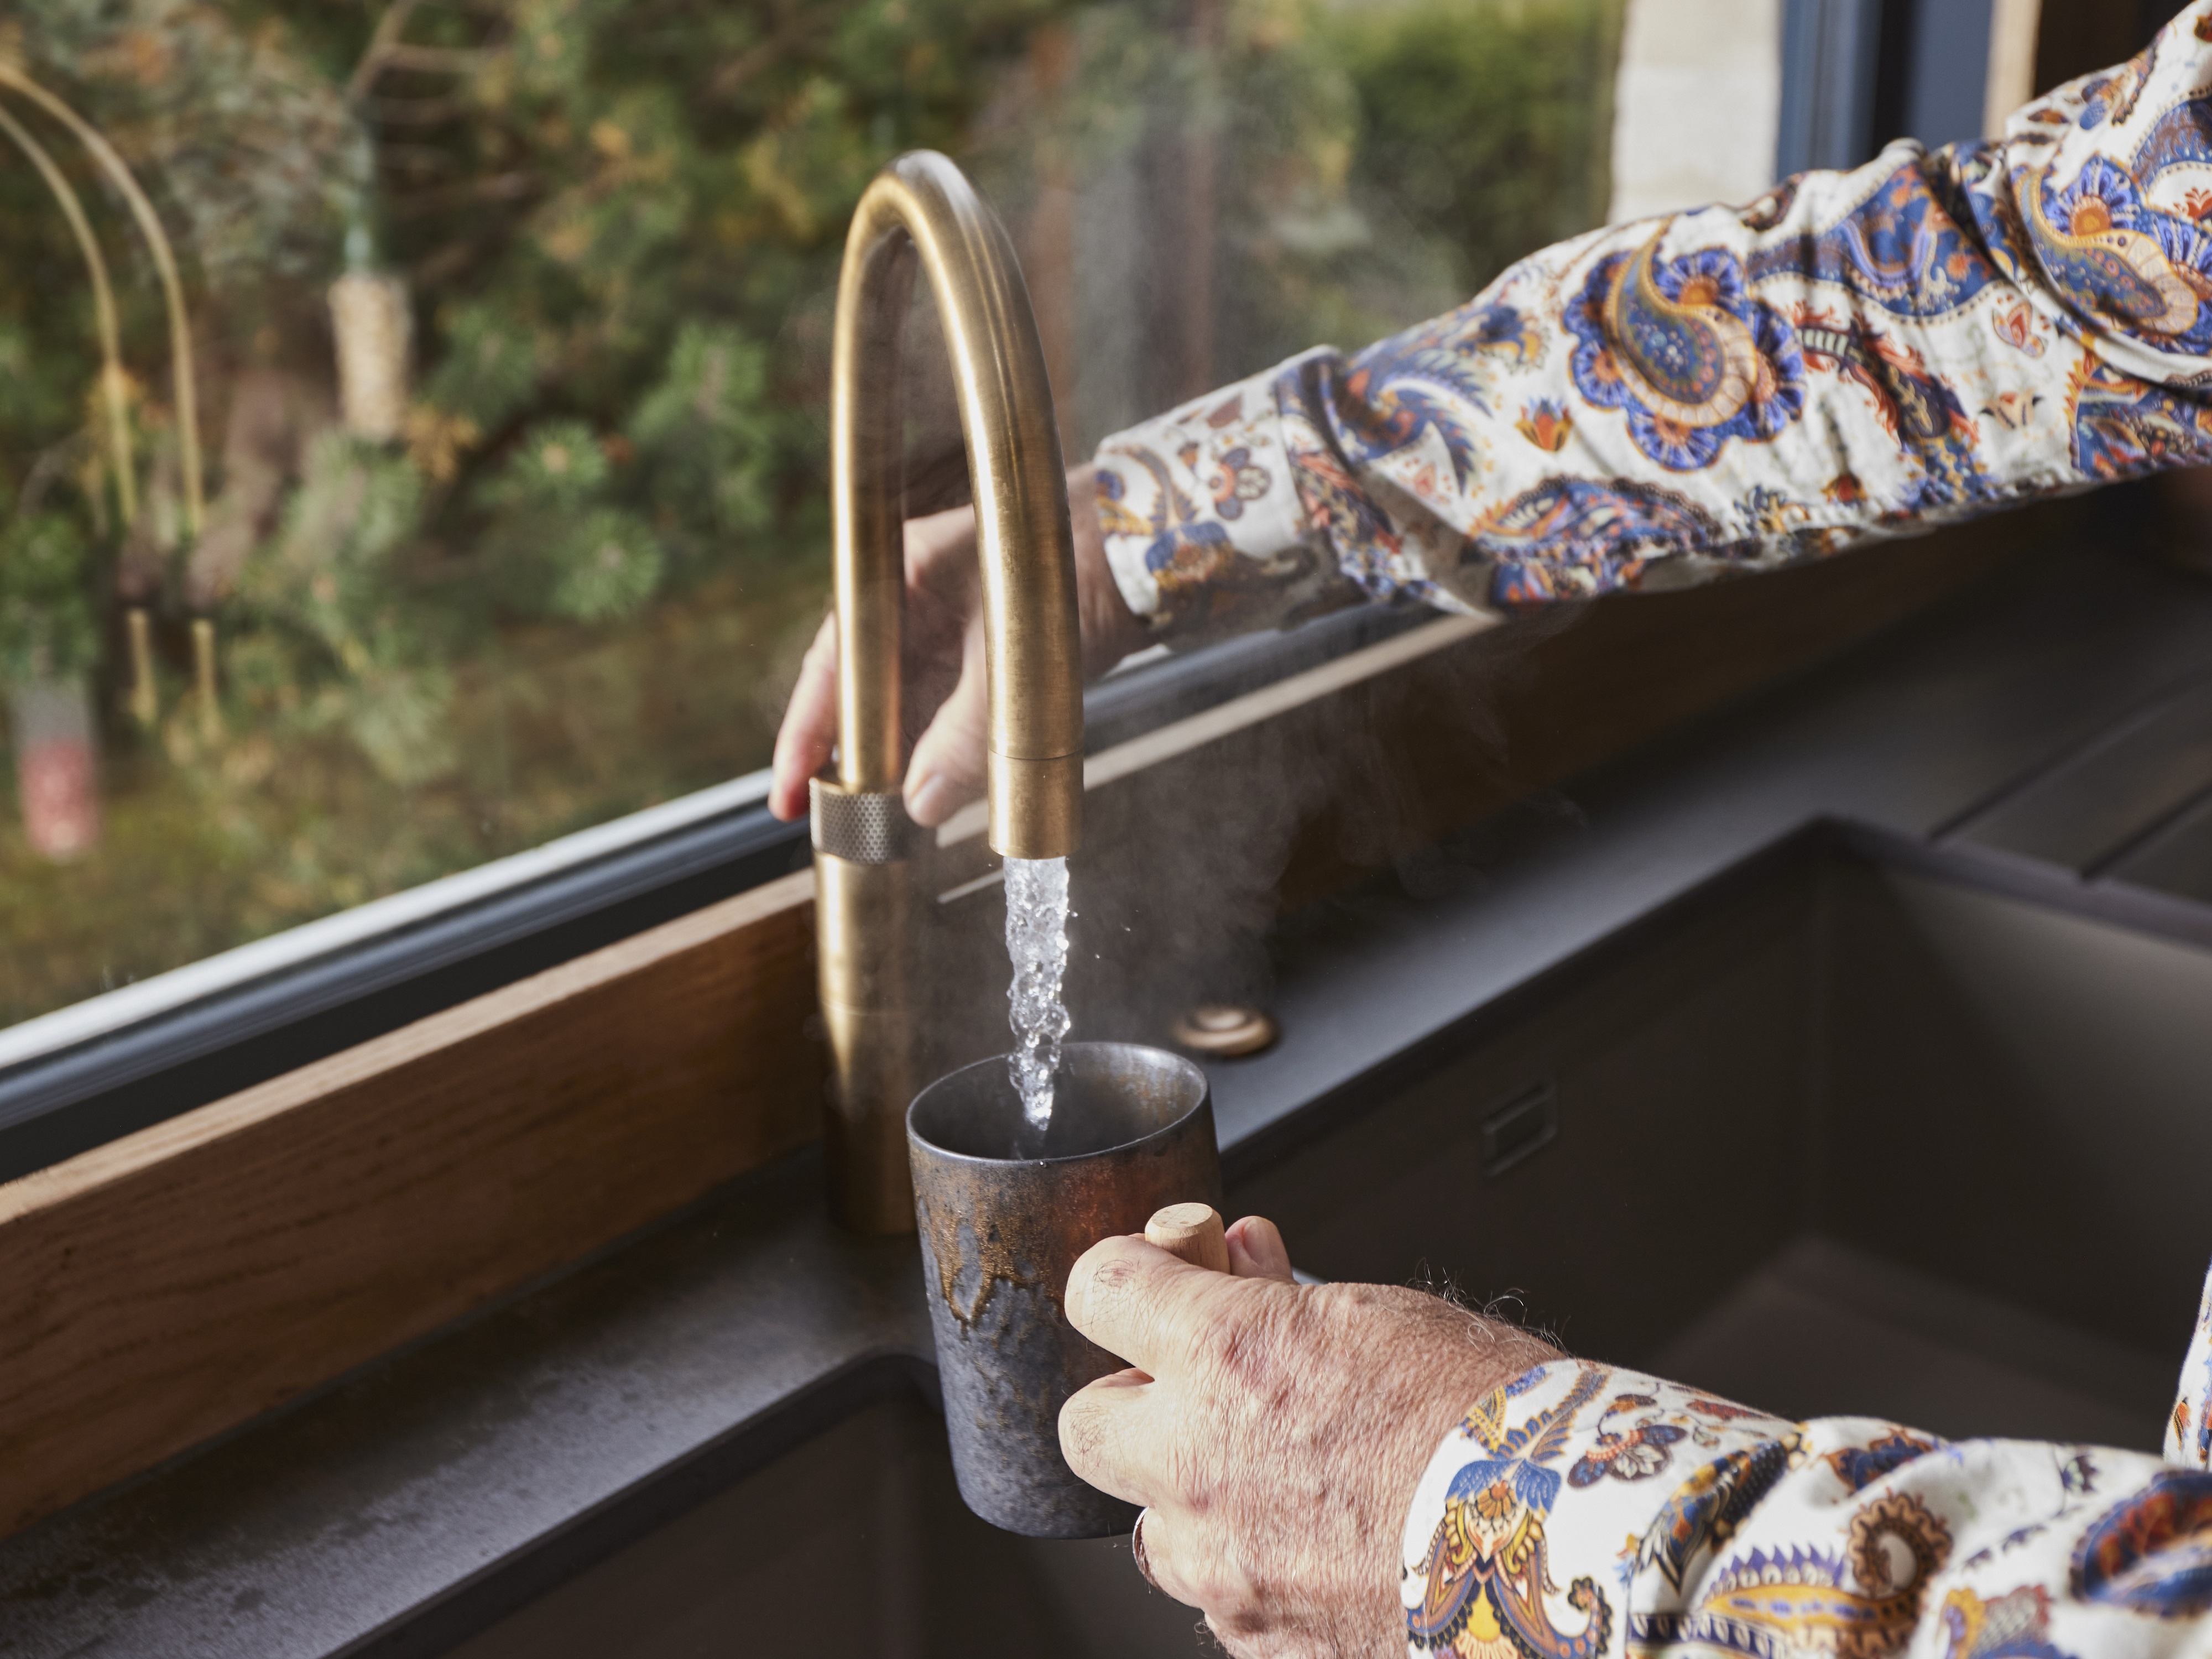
[[412, 411]]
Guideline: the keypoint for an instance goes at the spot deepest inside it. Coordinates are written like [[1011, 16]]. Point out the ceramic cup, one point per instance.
[[1004, 1213]]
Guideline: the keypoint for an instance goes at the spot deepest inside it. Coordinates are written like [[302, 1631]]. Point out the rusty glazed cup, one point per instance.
[[1004, 1213]]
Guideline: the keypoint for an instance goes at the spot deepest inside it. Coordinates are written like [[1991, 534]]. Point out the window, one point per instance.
[[412, 424]]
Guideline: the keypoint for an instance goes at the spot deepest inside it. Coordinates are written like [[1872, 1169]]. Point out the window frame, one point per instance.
[[105, 1067]]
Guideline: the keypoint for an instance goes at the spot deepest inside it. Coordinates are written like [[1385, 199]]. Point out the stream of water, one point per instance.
[[1036, 940]]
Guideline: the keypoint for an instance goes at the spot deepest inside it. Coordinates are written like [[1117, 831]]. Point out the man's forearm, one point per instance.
[[1857, 354]]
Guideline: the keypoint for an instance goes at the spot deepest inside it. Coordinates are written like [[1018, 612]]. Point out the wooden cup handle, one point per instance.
[[1193, 1231]]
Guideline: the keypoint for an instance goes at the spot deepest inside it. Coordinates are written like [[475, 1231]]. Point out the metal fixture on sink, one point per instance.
[[920, 213], [1228, 1030]]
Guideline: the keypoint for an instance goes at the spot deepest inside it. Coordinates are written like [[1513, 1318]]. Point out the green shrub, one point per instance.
[[1488, 123], [47, 630]]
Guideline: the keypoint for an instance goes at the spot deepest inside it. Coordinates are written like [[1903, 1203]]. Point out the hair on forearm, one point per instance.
[[1507, 1308]]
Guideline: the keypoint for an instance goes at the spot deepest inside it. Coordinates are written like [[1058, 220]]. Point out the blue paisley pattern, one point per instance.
[[1483, 1573], [1979, 171], [1685, 352], [2123, 427], [1687, 1524], [1419, 380], [1915, 406], [2113, 97], [2114, 258], [1854, 355], [2152, 1552], [1168, 505], [1578, 530], [2181, 135], [1902, 249]]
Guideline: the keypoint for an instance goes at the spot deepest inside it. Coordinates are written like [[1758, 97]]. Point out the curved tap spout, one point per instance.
[[920, 213], [921, 206]]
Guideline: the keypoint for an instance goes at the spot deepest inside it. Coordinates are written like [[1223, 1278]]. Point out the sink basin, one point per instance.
[[1851, 1129]]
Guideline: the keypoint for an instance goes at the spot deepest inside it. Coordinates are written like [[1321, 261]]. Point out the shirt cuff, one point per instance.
[[1538, 1508], [1204, 530]]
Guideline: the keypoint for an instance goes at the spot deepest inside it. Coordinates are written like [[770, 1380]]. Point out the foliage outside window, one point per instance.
[[491, 502]]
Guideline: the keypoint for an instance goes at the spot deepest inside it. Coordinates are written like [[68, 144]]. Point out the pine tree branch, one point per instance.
[[798, 24], [387, 49], [437, 60], [415, 112], [373, 57], [501, 187]]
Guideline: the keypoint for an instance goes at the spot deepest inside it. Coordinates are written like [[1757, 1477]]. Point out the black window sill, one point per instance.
[[53, 1106]]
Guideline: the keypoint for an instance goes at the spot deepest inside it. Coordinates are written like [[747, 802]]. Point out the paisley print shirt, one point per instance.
[[1583, 1511], [1854, 355]]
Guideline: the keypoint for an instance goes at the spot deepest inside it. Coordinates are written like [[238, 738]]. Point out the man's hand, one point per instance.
[[1274, 1430], [945, 640]]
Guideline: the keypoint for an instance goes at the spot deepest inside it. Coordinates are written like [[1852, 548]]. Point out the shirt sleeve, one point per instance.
[[2189, 1425], [1582, 1512], [1855, 354]]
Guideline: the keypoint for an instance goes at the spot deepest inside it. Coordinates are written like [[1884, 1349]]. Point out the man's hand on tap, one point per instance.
[[1274, 1431], [944, 649]]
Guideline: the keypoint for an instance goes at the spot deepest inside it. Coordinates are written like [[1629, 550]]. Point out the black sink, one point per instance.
[[1860, 1128]]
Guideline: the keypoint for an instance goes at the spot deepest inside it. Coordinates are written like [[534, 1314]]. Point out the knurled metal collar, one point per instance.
[[861, 829]]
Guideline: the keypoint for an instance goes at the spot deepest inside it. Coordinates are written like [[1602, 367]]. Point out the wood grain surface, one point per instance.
[[167, 1287]]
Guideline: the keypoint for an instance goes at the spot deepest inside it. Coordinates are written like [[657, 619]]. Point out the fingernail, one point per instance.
[[929, 801]]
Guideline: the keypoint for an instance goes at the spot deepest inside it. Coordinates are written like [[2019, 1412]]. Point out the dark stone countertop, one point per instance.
[[443, 1485]]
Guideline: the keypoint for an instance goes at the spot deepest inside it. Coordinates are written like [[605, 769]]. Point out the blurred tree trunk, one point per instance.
[[1049, 255], [1179, 167]]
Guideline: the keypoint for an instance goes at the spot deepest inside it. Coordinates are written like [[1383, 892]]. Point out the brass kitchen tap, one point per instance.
[[921, 211]]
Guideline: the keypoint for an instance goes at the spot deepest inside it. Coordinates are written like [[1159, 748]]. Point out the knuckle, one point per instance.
[[1082, 1434], [1258, 1344], [1246, 1354], [1189, 1474], [1113, 1284], [1098, 1286]]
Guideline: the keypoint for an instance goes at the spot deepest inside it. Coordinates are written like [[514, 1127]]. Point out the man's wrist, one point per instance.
[[1481, 1357], [1502, 1355], [1579, 1456], [1204, 529]]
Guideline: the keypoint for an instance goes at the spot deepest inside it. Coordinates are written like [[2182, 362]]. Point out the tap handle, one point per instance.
[[1193, 1231]]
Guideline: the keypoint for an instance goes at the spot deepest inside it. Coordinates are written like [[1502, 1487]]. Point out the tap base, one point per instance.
[[864, 939]]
